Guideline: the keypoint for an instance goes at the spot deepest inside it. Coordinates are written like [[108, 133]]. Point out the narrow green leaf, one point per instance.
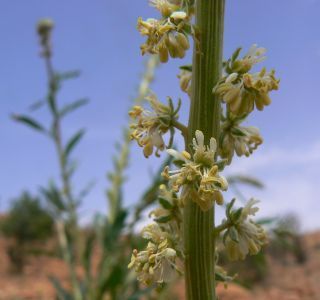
[[163, 219], [237, 132], [229, 207], [139, 294], [221, 164], [224, 237], [62, 293], [178, 163], [236, 54], [266, 221], [37, 105], [73, 106], [87, 254], [73, 142], [29, 122], [53, 196], [186, 68], [222, 277], [233, 233], [165, 203], [87, 189], [68, 75], [52, 103], [236, 215], [245, 180]]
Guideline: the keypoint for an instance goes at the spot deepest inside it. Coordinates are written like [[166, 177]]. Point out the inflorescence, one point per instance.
[[168, 36], [198, 176]]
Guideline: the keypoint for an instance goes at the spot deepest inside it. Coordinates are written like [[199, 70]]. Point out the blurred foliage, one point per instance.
[[284, 245], [109, 240], [96, 257], [286, 239], [27, 222]]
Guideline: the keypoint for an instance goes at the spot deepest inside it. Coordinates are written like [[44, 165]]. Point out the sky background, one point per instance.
[[100, 39]]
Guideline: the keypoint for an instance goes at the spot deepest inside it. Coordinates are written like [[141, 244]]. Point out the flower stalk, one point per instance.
[[204, 115], [214, 135]]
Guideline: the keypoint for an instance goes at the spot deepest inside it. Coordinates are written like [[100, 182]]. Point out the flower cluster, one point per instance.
[[168, 36], [198, 175], [185, 79], [170, 209], [237, 139], [150, 126], [242, 91], [44, 29], [243, 235], [157, 263]]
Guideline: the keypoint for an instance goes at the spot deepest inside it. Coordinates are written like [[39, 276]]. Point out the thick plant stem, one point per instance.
[[205, 116]]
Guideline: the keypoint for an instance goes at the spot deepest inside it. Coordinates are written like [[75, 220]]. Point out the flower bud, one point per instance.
[[178, 16], [163, 54], [44, 27], [183, 41]]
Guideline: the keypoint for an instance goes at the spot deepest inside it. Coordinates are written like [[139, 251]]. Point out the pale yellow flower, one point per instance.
[[150, 126], [238, 139], [165, 7], [156, 264], [197, 175], [242, 91], [245, 236], [185, 81], [170, 210], [244, 65], [165, 37]]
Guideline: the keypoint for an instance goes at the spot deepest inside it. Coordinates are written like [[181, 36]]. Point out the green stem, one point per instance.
[[205, 109], [221, 228], [65, 178], [183, 129]]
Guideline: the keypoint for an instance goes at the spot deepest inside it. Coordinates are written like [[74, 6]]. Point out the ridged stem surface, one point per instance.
[[205, 116]]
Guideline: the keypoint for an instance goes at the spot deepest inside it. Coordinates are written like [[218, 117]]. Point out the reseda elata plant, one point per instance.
[[184, 231]]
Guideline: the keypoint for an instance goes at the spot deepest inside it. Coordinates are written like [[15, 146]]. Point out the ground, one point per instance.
[[284, 281]]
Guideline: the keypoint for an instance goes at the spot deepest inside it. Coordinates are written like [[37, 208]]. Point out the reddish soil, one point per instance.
[[285, 280]]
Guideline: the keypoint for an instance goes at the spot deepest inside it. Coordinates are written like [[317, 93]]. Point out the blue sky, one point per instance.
[[100, 38]]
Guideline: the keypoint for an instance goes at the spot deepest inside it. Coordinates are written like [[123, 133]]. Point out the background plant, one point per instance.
[[26, 224], [97, 250]]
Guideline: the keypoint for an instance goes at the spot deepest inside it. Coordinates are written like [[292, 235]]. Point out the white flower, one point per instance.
[[150, 126], [165, 7], [253, 56], [245, 236], [198, 174], [249, 209], [185, 81], [204, 154], [165, 37], [179, 15], [231, 78], [157, 263], [238, 139], [242, 91], [170, 210]]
